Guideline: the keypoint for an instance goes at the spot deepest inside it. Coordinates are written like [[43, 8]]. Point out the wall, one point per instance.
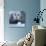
[[43, 6], [30, 7]]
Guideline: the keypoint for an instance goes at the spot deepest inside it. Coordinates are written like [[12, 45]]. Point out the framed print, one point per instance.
[[17, 18]]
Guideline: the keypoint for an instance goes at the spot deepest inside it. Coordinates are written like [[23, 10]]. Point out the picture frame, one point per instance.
[[17, 18]]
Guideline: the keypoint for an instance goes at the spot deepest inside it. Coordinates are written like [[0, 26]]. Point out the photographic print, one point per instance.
[[17, 18]]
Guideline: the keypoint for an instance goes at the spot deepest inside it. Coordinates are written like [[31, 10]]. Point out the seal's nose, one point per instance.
[[28, 39]]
